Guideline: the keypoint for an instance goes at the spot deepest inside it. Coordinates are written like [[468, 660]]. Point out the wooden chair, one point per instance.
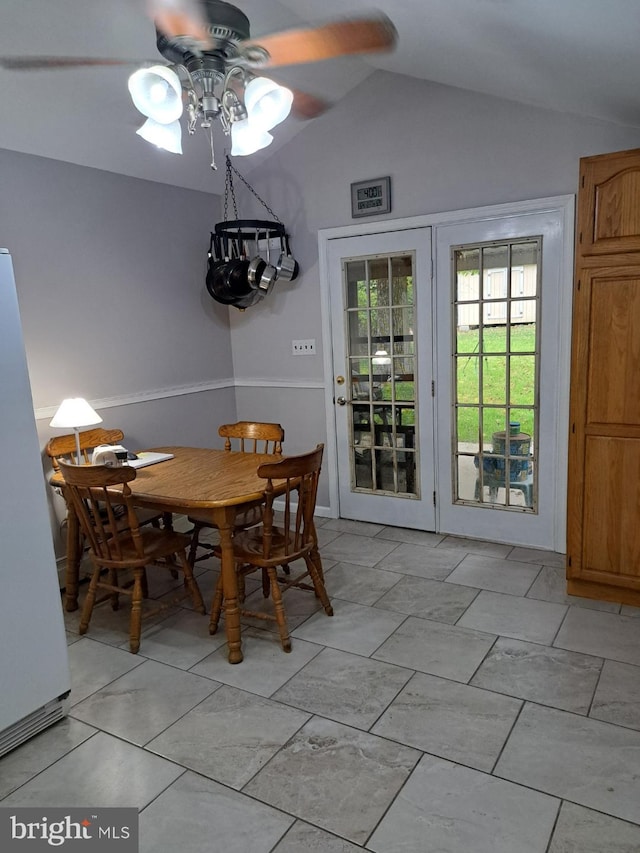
[[266, 547], [63, 446], [98, 493], [243, 437]]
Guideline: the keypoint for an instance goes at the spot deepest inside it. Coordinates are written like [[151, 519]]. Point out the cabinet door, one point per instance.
[[608, 204], [604, 459]]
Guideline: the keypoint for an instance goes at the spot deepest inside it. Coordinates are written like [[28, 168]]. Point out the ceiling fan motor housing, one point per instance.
[[226, 25]]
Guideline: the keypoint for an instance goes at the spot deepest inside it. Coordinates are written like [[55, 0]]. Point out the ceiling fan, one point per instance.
[[212, 59]]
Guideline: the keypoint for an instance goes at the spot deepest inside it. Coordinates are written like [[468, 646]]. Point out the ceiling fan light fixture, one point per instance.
[[157, 93], [266, 102], [247, 139], [165, 136]]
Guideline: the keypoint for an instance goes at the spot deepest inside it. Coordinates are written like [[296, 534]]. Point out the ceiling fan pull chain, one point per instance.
[[213, 156]]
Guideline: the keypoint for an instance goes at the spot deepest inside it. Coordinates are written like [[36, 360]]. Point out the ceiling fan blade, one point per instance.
[[306, 106], [339, 38], [40, 63], [181, 18]]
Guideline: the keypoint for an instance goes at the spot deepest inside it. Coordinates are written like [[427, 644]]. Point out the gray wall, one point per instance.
[[110, 276], [445, 149]]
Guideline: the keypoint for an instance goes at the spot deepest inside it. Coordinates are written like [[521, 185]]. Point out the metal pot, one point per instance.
[[287, 267]]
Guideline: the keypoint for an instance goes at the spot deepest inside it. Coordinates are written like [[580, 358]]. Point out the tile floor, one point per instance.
[[457, 702]]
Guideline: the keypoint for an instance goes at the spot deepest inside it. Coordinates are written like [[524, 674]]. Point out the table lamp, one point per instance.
[[74, 413]]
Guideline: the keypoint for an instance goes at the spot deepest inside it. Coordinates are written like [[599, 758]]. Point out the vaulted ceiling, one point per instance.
[[579, 56]]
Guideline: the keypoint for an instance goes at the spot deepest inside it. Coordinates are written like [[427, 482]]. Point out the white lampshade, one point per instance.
[[75, 412], [266, 102], [157, 93], [165, 136], [247, 139]]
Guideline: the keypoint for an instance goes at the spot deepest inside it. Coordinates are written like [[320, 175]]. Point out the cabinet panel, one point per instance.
[[613, 384], [608, 209], [612, 510]]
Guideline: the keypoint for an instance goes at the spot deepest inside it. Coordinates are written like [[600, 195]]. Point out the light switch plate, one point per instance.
[[306, 347]]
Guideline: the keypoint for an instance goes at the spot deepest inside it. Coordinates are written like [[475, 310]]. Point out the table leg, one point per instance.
[[230, 588], [74, 553]]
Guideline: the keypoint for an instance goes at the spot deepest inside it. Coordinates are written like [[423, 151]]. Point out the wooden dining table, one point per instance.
[[210, 484]]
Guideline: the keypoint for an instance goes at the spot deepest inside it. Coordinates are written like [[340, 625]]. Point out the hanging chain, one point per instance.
[[229, 187]]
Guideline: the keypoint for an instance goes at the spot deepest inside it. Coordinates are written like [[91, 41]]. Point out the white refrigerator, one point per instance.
[[34, 664]]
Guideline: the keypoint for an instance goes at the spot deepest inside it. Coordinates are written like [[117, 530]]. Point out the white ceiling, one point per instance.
[[581, 56]]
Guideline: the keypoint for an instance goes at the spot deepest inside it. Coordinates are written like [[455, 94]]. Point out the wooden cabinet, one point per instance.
[[603, 525]]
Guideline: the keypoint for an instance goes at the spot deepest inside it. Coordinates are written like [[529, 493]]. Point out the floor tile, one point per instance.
[[436, 648], [495, 574], [266, 666], [629, 610], [229, 736], [32, 757], [361, 550], [412, 537], [442, 602], [581, 830], [359, 584], [196, 814], [446, 808], [140, 704], [347, 688], [103, 770], [94, 665], [617, 698], [539, 556], [335, 777], [586, 761], [359, 528], [542, 674], [551, 585], [326, 535], [519, 618], [474, 546], [421, 561], [603, 634], [112, 626], [304, 838], [352, 628], [182, 640], [454, 721]]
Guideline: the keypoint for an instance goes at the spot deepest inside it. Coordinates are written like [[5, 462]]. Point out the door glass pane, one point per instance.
[[496, 373], [381, 357]]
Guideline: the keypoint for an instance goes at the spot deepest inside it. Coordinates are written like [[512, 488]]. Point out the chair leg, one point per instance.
[[115, 597], [195, 537], [87, 609], [135, 623], [216, 606], [315, 573], [281, 620], [191, 583]]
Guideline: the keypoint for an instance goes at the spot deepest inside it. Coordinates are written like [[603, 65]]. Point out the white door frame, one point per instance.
[[565, 205]]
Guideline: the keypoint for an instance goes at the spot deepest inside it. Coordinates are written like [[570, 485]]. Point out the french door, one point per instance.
[[449, 372], [381, 291]]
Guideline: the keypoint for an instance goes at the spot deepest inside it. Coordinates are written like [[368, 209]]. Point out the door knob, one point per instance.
[[341, 401]]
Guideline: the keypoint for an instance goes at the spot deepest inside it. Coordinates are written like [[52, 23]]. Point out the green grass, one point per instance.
[[522, 381]]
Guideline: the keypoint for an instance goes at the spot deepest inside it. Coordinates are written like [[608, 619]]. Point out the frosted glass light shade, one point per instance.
[[165, 136], [247, 139], [381, 356], [157, 93], [266, 102], [75, 412]]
